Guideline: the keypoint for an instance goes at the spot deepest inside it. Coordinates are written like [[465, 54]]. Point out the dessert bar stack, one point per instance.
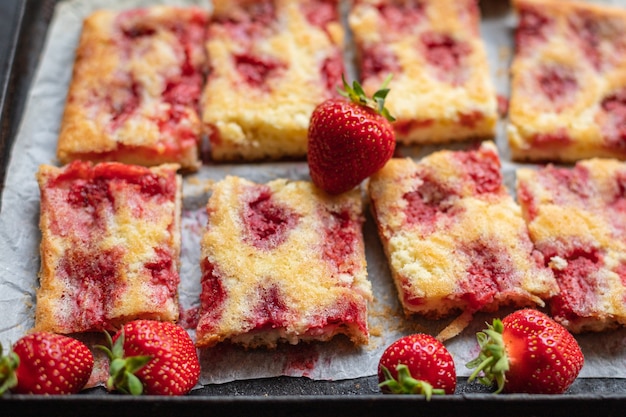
[[155, 90]]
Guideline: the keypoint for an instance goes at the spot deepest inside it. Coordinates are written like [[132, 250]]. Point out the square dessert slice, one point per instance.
[[441, 90], [110, 245], [455, 239], [568, 87], [282, 262], [135, 88], [271, 62], [577, 219]]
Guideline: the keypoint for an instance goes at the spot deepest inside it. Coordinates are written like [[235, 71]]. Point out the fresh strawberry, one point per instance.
[[349, 138], [527, 352], [417, 364], [45, 363], [152, 357]]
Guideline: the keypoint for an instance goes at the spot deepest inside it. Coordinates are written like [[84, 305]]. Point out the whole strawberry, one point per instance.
[[152, 357], [527, 352], [45, 363], [349, 138], [417, 364]]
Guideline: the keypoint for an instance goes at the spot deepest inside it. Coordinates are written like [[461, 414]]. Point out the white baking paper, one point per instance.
[[19, 234]]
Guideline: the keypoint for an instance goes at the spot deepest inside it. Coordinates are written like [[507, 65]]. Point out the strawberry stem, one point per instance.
[[492, 362], [406, 384], [356, 94], [122, 369], [8, 365]]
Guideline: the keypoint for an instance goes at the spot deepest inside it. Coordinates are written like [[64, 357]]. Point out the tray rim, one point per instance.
[[25, 48]]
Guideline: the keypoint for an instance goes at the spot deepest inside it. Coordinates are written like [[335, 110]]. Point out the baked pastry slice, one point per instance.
[[282, 262], [110, 245], [568, 87], [441, 90], [455, 239], [271, 63], [135, 88], [576, 219]]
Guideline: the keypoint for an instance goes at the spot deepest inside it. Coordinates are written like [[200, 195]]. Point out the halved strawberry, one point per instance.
[[152, 357], [349, 139], [417, 364], [527, 352], [45, 363]]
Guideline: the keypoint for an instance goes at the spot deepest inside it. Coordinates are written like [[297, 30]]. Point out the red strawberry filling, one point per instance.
[[446, 55], [404, 127], [613, 120], [482, 169], [428, 203], [471, 119], [346, 312], [559, 139], [321, 12], [340, 240], [331, 70], [252, 20], [601, 39], [528, 202], [558, 84], [256, 71], [568, 186], [400, 17], [378, 60], [92, 280], [578, 282], [533, 29], [164, 274], [267, 222], [271, 312], [488, 274], [212, 297]]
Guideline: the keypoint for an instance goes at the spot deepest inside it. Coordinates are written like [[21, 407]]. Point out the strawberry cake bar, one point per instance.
[[576, 218], [110, 245], [271, 62], [568, 91], [441, 90], [136, 87], [282, 262], [455, 239]]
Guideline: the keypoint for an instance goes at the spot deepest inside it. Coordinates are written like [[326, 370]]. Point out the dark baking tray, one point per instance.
[[23, 27]]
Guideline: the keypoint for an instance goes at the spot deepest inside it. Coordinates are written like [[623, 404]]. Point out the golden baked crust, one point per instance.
[[110, 245], [135, 88], [454, 237], [282, 262], [272, 62], [576, 217], [441, 90], [568, 87]]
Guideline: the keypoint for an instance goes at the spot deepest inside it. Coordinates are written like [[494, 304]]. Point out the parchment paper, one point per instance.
[[35, 143]]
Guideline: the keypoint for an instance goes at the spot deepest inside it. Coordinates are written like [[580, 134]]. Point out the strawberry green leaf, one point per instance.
[[492, 362], [8, 365], [357, 95], [406, 384], [122, 369]]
